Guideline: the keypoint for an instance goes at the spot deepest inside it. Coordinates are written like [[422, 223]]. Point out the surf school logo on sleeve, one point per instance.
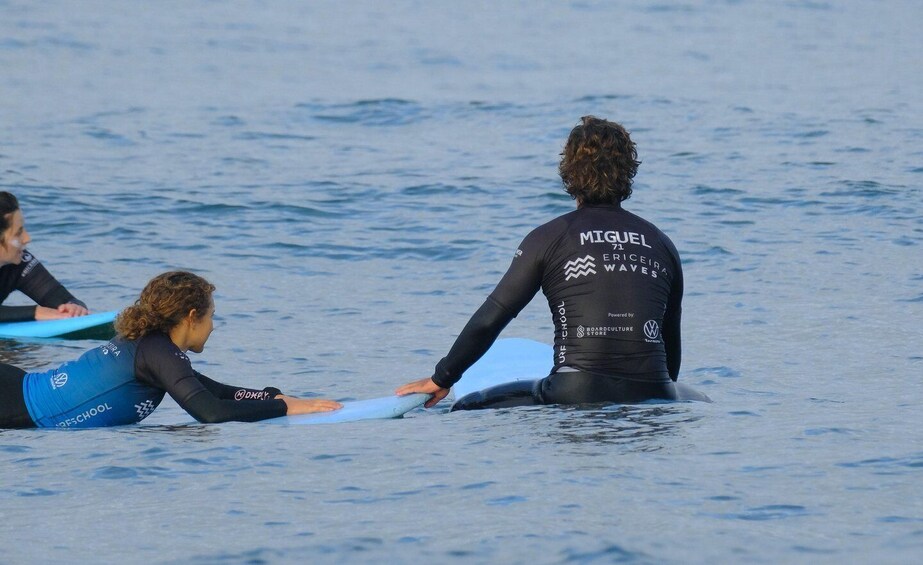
[[58, 380], [652, 331], [582, 267]]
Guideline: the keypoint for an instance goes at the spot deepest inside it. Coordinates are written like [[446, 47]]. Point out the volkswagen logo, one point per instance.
[[651, 329]]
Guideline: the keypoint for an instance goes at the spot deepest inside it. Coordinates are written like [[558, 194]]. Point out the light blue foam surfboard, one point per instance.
[[91, 326], [352, 411], [507, 360], [518, 359]]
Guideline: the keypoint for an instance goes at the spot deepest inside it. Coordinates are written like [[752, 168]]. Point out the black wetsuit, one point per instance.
[[121, 382], [32, 279], [614, 284]]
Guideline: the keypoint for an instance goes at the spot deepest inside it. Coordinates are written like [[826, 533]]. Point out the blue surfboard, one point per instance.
[[518, 359], [507, 360], [91, 326], [372, 409]]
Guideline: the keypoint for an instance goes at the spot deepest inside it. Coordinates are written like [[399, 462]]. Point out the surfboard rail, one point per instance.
[[386, 407], [92, 326]]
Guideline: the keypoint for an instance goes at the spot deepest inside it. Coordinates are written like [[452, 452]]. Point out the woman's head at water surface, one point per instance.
[[164, 303], [599, 162]]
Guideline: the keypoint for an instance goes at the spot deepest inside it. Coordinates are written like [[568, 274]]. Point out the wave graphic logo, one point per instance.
[[144, 409], [651, 329], [580, 267]]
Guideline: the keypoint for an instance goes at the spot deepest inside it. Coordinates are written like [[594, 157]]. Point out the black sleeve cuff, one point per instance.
[[442, 377], [17, 313]]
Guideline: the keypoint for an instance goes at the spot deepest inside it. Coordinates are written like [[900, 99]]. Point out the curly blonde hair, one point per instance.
[[164, 302]]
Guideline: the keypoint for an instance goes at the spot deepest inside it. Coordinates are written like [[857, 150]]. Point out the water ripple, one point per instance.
[[387, 112]]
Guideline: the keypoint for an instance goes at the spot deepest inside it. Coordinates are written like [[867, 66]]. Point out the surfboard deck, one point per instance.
[[517, 359], [507, 360], [91, 326], [353, 411]]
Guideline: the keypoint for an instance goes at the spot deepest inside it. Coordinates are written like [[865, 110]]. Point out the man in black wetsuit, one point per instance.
[[614, 285], [20, 270]]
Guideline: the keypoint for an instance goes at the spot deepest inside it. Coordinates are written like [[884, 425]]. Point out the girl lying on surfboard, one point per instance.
[[22, 271], [124, 380]]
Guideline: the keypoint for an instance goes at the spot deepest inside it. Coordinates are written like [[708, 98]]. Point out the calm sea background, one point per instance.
[[354, 177]]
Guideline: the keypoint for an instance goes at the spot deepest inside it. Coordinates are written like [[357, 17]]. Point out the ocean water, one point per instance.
[[354, 178]]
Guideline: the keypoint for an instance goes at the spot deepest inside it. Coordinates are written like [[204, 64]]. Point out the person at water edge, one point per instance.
[[614, 285], [22, 271], [124, 380]]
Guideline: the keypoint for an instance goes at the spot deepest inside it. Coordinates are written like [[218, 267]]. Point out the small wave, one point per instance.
[[704, 190], [887, 464], [664, 8], [862, 189], [37, 492], [271, 136], [108, 136], [441, 188], [384, 112], [768, 512], [115, 472], [719, 372]]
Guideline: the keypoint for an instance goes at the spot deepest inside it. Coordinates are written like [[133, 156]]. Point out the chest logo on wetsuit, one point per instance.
[[58, 380], [652, 330], [580, 267]]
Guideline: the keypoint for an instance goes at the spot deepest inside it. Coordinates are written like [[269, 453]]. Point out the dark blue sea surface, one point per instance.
[[355, 177]]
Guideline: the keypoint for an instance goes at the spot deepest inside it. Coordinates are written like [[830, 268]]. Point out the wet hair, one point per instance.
[[599, 162], [8, 205], [163, 304]]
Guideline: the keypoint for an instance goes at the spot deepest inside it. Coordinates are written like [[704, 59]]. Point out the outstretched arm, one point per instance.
[[473, 342], [54, 301], [207, 408], [161, 364], [517, 287], [209, 411]]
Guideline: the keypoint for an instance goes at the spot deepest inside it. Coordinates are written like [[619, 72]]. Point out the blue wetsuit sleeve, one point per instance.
[[161, 364], [514, 291]]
